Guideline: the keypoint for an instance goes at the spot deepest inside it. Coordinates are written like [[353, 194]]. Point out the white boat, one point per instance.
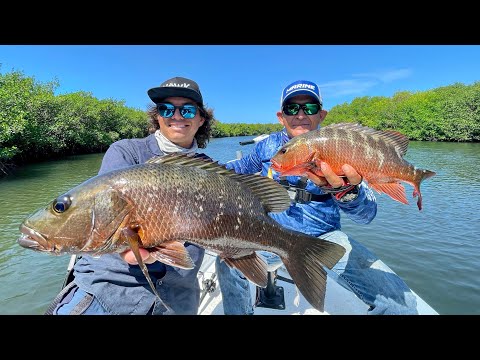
[[254, 140], [281, 297], [338, 300]]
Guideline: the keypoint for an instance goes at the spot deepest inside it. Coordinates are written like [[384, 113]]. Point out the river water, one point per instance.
[[436, 250]]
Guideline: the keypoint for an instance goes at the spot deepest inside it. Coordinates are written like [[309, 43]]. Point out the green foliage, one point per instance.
[[460, 109], [37, 124], [237, 129], [450, 113], [18, 95]]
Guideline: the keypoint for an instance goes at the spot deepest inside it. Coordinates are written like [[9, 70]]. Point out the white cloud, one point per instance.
[[387, 76], [362, 82], [346, 87]]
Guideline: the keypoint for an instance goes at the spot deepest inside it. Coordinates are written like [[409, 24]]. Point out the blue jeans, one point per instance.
[[235, 290], [359, 271]]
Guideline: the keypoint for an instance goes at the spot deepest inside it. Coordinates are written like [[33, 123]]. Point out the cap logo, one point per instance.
[[300, 86], [184, 85]]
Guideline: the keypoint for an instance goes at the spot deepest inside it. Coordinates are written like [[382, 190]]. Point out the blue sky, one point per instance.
[[243, 83]]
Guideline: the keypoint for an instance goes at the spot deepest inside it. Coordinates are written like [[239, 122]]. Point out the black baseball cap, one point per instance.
[[177, 86]]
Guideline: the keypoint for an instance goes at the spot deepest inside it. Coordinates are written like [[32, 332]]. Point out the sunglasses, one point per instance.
[[308, 109], [167, 110]]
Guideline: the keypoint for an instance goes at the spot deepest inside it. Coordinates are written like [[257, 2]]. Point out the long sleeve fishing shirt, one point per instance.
[[122, 288], [313, 217]]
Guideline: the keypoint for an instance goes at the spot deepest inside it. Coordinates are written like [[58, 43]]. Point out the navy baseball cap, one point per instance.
[[301, 87], [177, 86]]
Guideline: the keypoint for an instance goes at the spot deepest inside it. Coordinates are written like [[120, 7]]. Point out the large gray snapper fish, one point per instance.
[[168, 200]]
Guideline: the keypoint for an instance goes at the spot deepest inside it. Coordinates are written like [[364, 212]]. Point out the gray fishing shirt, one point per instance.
[[122, 288]]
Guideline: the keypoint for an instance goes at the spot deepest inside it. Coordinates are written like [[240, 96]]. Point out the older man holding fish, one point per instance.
[[318, 198]]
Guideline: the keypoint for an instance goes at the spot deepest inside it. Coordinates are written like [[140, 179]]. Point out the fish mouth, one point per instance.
[[33, 240], [275, 165], [297, 170]]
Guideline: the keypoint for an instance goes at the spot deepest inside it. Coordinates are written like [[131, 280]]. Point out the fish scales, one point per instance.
[[193, 214], [368, 154], [160, 204], [376, 155]]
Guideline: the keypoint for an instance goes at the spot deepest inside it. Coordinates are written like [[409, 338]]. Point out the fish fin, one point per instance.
[[391, 137], [316, 168], [252, 267], [301, 169], [394, 189], [312, 176], [273, 196], [173, 253], [175, 158], [427, 174], [424, 174], [133, 240], [398, 140], [305, 263]]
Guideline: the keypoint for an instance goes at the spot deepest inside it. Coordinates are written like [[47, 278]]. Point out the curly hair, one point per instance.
[[204, 132]]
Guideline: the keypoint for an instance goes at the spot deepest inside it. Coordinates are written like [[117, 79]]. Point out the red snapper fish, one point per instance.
[[376, 155]]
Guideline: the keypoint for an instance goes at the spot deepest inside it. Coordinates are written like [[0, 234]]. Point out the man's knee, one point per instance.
[[340, 238]]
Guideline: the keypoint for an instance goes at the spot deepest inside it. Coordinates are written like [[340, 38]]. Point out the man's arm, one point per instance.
[[363, 208], [118, 156], [249, 164]]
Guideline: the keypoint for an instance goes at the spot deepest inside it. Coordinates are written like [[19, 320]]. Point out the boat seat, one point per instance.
[[271, 296], [272, 260]]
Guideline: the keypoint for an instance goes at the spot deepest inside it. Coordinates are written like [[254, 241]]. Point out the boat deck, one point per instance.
[[338, 300]]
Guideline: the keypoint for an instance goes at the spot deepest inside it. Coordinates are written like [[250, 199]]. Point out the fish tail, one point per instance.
[[305, 265], [421, 175]]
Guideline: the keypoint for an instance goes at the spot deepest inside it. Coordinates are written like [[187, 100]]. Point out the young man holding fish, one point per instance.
[[112, 283], [315, 210]]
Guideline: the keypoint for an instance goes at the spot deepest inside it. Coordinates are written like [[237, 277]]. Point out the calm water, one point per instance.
[[436, 250]]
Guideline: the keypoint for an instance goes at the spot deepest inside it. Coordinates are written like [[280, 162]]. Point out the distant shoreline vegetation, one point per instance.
[[36, 124]]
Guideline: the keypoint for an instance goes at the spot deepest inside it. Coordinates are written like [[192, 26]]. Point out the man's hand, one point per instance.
[[129, 257], [330, 178]]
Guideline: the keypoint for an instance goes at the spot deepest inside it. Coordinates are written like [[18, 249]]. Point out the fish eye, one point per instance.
[[61, 204], [283, 150]]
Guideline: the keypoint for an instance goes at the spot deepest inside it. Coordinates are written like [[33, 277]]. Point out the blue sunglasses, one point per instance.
[[167, 110]]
